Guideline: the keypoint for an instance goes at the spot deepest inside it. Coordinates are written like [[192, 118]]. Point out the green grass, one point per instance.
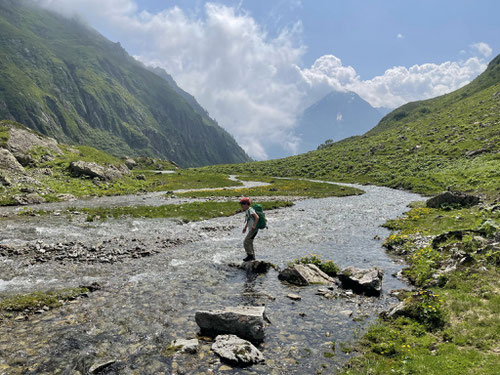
[[281, 187], [420, 147], [451, 324], [31, 302], [187, 211], [4, 135]]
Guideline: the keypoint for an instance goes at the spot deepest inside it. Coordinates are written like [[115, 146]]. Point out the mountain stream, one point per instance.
[[146, 303]]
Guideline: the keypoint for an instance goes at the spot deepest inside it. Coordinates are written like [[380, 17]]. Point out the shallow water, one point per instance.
[[146, 303]]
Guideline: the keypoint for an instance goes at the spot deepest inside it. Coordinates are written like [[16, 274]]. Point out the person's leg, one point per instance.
[[248, 244]]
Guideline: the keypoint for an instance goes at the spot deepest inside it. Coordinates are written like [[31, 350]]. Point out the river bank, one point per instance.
[[450, 323]]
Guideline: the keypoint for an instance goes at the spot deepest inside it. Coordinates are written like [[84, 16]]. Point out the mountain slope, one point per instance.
[[64, 80], [452, 141], [336, 116]]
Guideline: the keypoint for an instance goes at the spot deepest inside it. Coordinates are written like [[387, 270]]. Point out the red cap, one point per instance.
[[245, 200]]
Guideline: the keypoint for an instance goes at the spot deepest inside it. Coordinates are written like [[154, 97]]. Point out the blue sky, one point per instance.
[[364, 33], [255, 64]]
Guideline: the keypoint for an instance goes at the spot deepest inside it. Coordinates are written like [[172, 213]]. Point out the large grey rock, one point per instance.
[[187, 346], [24, 159], [21, 141], [91, 169], [362, 281], [304, 274], [9, 162], [244, 321], [449, 198], [130, 163], [31, 198], [237, 351]]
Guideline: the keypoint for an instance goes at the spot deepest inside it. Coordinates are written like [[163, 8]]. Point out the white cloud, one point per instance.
[[396, 86], [482, 48], [250, 82], [400, 36]]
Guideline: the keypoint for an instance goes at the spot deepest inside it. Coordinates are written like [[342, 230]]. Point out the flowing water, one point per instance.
[[146, 303]]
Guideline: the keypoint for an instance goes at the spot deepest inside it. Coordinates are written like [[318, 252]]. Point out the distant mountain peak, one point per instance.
[[336, 116]]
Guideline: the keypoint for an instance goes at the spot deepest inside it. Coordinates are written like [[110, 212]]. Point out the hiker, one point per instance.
[[251, 220]]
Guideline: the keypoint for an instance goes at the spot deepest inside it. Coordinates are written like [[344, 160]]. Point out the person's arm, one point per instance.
[[246, 224]]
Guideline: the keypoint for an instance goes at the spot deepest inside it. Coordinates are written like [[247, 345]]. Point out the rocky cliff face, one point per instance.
[[66, 81]]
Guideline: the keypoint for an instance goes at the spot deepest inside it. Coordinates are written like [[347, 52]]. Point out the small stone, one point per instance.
[[98, 367], [346, 313], [294, 297], [187, 346]]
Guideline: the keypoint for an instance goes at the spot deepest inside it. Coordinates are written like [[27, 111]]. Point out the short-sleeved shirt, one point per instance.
[[250, 218]]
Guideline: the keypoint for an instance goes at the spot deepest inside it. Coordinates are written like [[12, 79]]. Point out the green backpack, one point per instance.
[[262, 223]]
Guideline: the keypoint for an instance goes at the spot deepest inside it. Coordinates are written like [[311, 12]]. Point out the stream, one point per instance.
[[146, 303]]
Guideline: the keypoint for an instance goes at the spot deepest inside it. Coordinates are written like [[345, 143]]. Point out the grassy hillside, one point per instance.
[[67, 81], [452, 141]]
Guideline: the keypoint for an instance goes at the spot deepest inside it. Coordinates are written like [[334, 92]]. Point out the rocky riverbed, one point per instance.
[[162, 271]]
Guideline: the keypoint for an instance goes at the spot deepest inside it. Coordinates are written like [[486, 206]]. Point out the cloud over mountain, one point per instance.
[[253, 83]]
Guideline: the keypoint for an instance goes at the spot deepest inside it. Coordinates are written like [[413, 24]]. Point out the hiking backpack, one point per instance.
[[262, 223]]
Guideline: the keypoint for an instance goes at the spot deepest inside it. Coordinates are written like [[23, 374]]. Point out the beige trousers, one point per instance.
[[248, 242]]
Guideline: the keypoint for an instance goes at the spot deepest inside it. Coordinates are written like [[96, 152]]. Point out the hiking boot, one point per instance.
[[249, 258]]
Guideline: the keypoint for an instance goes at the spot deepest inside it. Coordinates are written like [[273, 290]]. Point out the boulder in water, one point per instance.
[[304, 274], [244, 321], [237, 351], [362, 281]]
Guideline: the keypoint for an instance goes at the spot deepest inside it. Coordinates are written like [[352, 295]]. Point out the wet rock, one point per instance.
[[304, 274], [90, 169], [254, 266], [109, 251], [244, 321], [347, 313], [186, 346], [100, 367], [451, 198], [362, 281], [236, 351]]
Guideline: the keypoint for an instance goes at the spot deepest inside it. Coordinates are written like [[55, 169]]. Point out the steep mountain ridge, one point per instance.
[[67, 81], [449, 142]]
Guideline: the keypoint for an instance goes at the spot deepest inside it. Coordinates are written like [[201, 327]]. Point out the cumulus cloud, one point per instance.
[[250, 82], [397, 85], [482, 48]]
